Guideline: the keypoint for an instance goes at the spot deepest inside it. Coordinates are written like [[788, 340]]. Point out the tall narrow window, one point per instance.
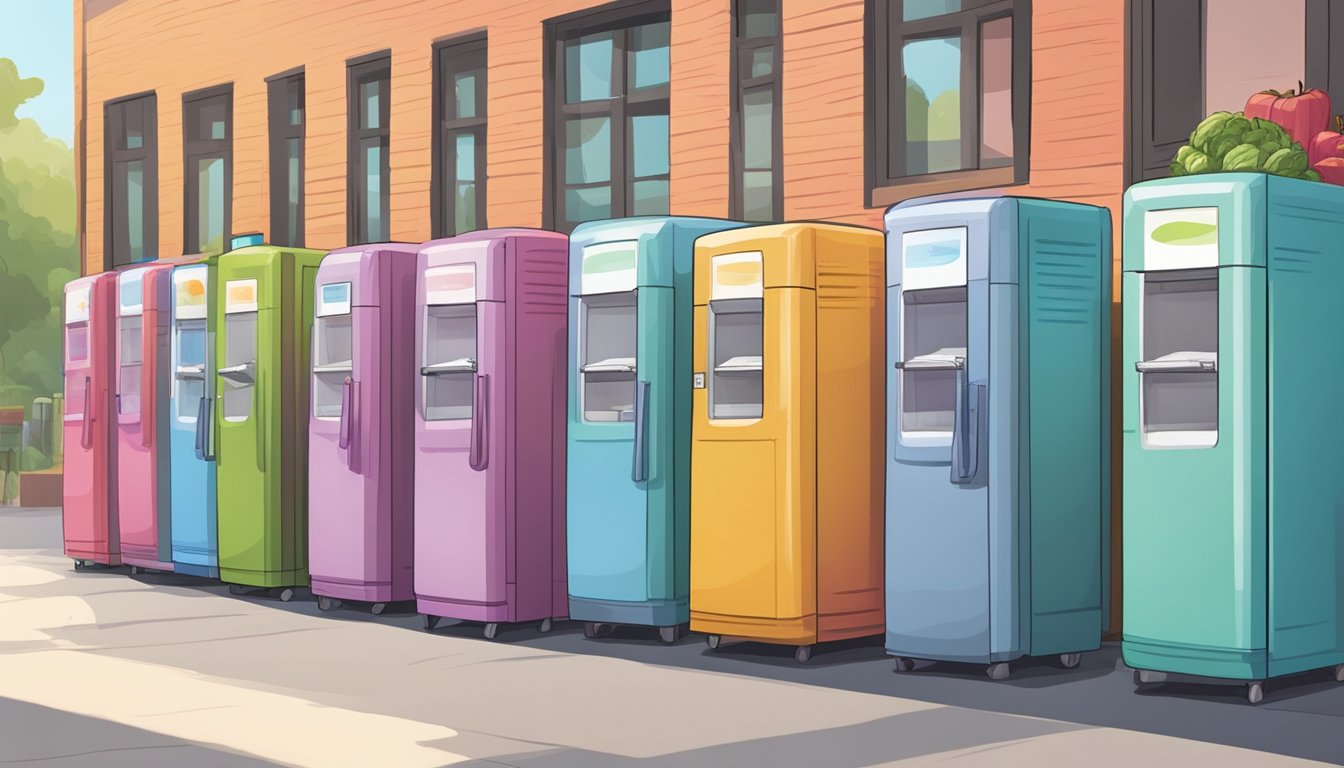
[[131, 187], [208, 189], [607, 141], [950, 96], [285, 94], [758, 185], [459, 183], [367, 185]]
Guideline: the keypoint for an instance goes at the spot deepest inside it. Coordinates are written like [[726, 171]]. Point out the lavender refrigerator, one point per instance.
[[490, 429], [360, 429]]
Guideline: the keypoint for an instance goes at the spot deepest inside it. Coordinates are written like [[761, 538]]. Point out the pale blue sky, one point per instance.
[[39, 36]]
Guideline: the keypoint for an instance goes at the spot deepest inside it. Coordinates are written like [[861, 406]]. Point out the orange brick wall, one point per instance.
[[176, 46]]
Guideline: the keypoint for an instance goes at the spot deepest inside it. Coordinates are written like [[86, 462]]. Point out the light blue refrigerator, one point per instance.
[[191, 414], [998, 430], [629, 433]]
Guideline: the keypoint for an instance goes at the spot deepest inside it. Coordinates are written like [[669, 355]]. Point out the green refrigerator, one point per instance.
[[265, 302], [1233, 538]]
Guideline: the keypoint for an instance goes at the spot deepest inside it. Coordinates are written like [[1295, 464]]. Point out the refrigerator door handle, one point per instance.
[[85, 439], [201, 406], [344, 439], [147, 420], [639, 472], [480, 424], [966, 431]]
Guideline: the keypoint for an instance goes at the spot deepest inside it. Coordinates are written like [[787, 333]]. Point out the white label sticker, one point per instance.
[[737, 276], [699, 381], [240, 296], [190, 299], [77, 304], [131, 292], [333, 299], [933, 258], [453, 284], [1180, 238], [610, 267]]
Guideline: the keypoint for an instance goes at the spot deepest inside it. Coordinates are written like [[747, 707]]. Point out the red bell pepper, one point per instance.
[[1302, 113]]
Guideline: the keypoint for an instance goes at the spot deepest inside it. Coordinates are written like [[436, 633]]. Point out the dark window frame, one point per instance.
[[113, 131], [359, 70], [881, 89], [1144, 160], [451, 56], [204, 149], [618, 17], [743, 84], [281, 132], [1324, 71]]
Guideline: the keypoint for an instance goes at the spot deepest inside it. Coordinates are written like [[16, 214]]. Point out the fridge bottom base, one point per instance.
[[1225, 663], [799, 631], [492, 613], [101, 557], [646, 613], [193, 569], [266, 579], [360, 592], [148, 563]]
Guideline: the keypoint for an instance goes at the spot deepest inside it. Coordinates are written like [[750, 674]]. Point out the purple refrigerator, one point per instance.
[[490, 428], [360, 438]]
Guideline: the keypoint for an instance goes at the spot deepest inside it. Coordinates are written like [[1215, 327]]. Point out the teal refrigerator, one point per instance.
[[1233, 534]]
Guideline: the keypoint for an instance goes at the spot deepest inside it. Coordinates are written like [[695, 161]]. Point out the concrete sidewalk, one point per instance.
[[167, 664]]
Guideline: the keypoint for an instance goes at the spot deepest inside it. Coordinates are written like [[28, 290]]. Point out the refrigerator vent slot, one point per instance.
[[1064, 282]]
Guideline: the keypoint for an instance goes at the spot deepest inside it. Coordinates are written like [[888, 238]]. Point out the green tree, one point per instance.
[[39, 249]]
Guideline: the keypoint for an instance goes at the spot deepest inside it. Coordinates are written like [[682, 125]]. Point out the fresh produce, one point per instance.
[[1302, 113], [1331, 170], [1230, 141], [1327, 143]]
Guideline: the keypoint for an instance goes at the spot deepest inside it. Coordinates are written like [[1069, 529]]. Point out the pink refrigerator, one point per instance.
[[360, 435], [89, 516], [490, 428], [143, 378]]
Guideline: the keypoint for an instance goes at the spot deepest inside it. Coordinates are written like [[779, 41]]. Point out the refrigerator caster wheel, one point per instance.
[[1255, 692], [904, 664], [998, 671], [135, 570], [286, 595], [594, 629], [491, 631], [802, 653], [431, 622], [237, 589], [668, 635], [544, 626], [79, 565], [713, 642], [589, 630], [326, 603], [1070, 660], [1339, 674], [1148, 677], [377, 609]]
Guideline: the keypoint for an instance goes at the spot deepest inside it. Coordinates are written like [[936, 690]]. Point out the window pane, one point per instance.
[[935, 324], [757, 129], [758, 196], [375, 224], [210, 205], [450, 338], [762, 61], [650, 198], [932, 105], [190, 335], [649, 139], [133, 120], [464, 218], [759, 18], [294, 191], [608, 335], [369, 104], [648, 57], [294, 100], [464, 94], [588, 68], [209, 118], [240, 348], [587, 204], [996, 98], [588, 150], [736, 347], [135, 209], [465, 149], [923, 9]]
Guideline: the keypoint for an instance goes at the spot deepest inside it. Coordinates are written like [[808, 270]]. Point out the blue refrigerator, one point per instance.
[[191, 439], [629, 433], [998, 430]]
